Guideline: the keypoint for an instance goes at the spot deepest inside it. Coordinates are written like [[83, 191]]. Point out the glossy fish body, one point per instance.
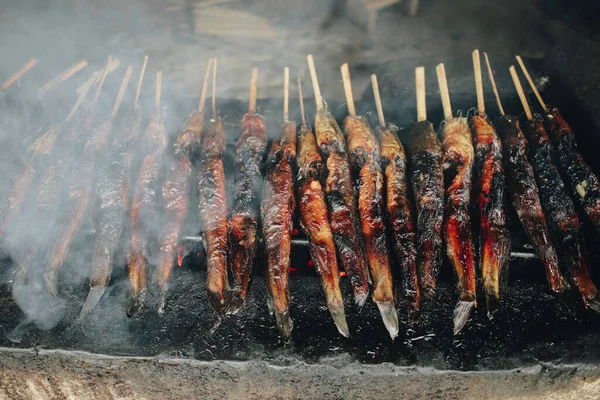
[[401, 214], [342, 205], [458, 164], [525, 197], [250, 151], [488, 193], [364, 157], [176, 197], [277, 214], [315, 224], [427, 181], [214, 213], [559, 209]]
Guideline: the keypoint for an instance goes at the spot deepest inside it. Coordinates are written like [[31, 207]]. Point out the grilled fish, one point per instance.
[[494, 238], [176, 197], [341, 202], [427, 180], [213, 214], [458, 164], [315, 224], [366, 162], [525, 197], [559, 209]]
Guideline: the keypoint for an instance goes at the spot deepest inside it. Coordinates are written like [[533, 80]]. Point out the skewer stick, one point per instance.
[[205, 86], [301, 101], [478, 81], [101, 82], [18, 73], [286, 94], [158, 90], [98, 74], [63, 76], [214, 87], [315, 82], [253, 88], [515, 78], [443, 83], [420, 84], [537, 94], [82, 95], [491, 74], [140, 80], [124, 84], [345, 69], [377, 96]]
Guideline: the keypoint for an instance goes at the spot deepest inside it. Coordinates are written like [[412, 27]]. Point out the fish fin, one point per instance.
[[51, 282], [462, 312], [593, 303], [360, 298], [284, 324], [389, 315], [492, 301], [339, 318], [136, 303], [93, 297], [162, 301]]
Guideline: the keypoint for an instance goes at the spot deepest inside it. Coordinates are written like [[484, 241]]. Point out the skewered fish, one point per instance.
[[559, 209], [427, 181], [341, 202], [214, 213], [457, 164], [277, 213], [494, 238], [525, 197], [365, 160], [313, 221], [250, 150], [400, 211], [176, 197]]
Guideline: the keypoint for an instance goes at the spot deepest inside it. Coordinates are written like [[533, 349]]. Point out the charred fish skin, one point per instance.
[[559, 209], [427, 181], [315, 224], [342, 205], [176, 197], [214, 213], [489, 194], [277, 213], [525, 197], [250, 151], [401, 214], [457, 164], [366, 162], [144, 214], [113, 189], [582, 181]]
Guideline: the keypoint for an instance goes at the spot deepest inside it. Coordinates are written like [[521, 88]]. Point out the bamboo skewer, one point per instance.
[[124, 84], [205, 86], [478, 81], [18, 74], [253, 88], [301, 101], [377, 97], [81, 97], [345, 69], [491, 75], [286, 94], [98, 74], [515, 78], [63, 76], [214, 87], [444, 93], [101, 82], [528, 77], [420, 89], [140, 80], [315, 82], [158, 90]]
